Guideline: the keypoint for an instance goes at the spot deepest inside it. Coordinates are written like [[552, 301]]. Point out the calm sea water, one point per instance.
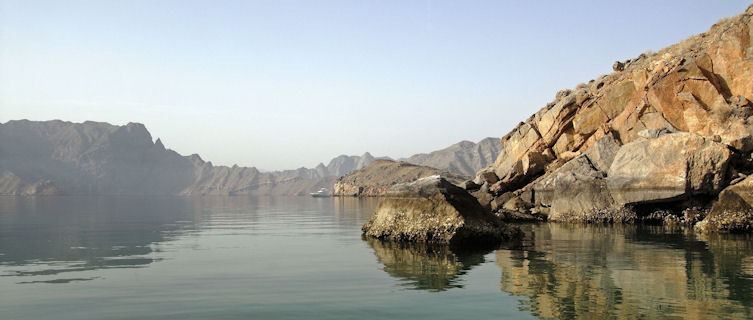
[[297, 257]]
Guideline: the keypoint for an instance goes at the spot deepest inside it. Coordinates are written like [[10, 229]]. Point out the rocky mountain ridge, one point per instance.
[[58, 157], [464, 157], [659, 138]]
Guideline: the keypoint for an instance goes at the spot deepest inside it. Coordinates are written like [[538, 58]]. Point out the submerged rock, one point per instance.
[[433, 210]]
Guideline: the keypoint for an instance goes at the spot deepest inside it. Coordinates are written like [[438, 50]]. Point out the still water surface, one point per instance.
[[297, 257]]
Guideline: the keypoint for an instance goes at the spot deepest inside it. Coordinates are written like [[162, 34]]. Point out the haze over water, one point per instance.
[[293, 257]]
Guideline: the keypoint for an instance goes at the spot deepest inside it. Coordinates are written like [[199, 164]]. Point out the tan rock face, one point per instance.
[[486, 175], [347, 189], [686, 86], [666, 167], [700, 87]]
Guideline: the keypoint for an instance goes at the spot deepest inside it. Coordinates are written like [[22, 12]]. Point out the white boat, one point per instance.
[[322, 193]]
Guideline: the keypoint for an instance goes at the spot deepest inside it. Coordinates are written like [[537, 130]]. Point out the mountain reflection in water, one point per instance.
[[628, 272], [49, 236]]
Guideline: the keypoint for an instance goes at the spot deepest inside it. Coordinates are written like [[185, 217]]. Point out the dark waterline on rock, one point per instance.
[[294, 257]]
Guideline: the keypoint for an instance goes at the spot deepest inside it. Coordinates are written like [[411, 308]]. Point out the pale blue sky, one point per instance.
[[284, 84]]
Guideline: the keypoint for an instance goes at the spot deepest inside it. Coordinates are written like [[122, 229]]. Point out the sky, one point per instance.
[[284, 84]]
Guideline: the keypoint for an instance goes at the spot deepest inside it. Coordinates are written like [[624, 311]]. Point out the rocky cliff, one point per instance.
[[379, 176], [661, 135], [57, 157]]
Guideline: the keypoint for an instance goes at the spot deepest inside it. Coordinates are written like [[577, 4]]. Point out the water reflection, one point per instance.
[[48, 236], [628, 272], [425, 267], [64, 239], [352, 210]]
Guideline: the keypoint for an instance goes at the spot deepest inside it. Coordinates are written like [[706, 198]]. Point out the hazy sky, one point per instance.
[[284, 84]]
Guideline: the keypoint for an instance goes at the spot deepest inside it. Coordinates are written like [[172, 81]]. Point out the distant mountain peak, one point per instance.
[[464, 157]]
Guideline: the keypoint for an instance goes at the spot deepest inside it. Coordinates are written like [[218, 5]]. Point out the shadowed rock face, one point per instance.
[[575, 187], [681, 127], [433, 210], [733, 211]]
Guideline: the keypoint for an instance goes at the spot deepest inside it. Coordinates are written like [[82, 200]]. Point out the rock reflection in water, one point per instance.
[[425, 267], [629, 272]]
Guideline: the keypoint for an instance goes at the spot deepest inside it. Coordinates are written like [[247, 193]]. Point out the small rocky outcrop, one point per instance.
[[433, 210], [379, 176], [10, 184], [733, 212]]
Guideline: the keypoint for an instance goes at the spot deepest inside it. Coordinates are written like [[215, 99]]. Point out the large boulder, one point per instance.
[[667, 168], [433, 210], [576, 188], [733, 212]]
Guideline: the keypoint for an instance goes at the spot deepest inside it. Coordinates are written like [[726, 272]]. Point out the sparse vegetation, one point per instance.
[[722, 21]]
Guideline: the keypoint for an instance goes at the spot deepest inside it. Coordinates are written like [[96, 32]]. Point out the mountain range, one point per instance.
[[59, 157]]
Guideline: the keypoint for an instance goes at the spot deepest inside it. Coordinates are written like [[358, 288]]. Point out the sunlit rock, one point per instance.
[[433, 210]]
